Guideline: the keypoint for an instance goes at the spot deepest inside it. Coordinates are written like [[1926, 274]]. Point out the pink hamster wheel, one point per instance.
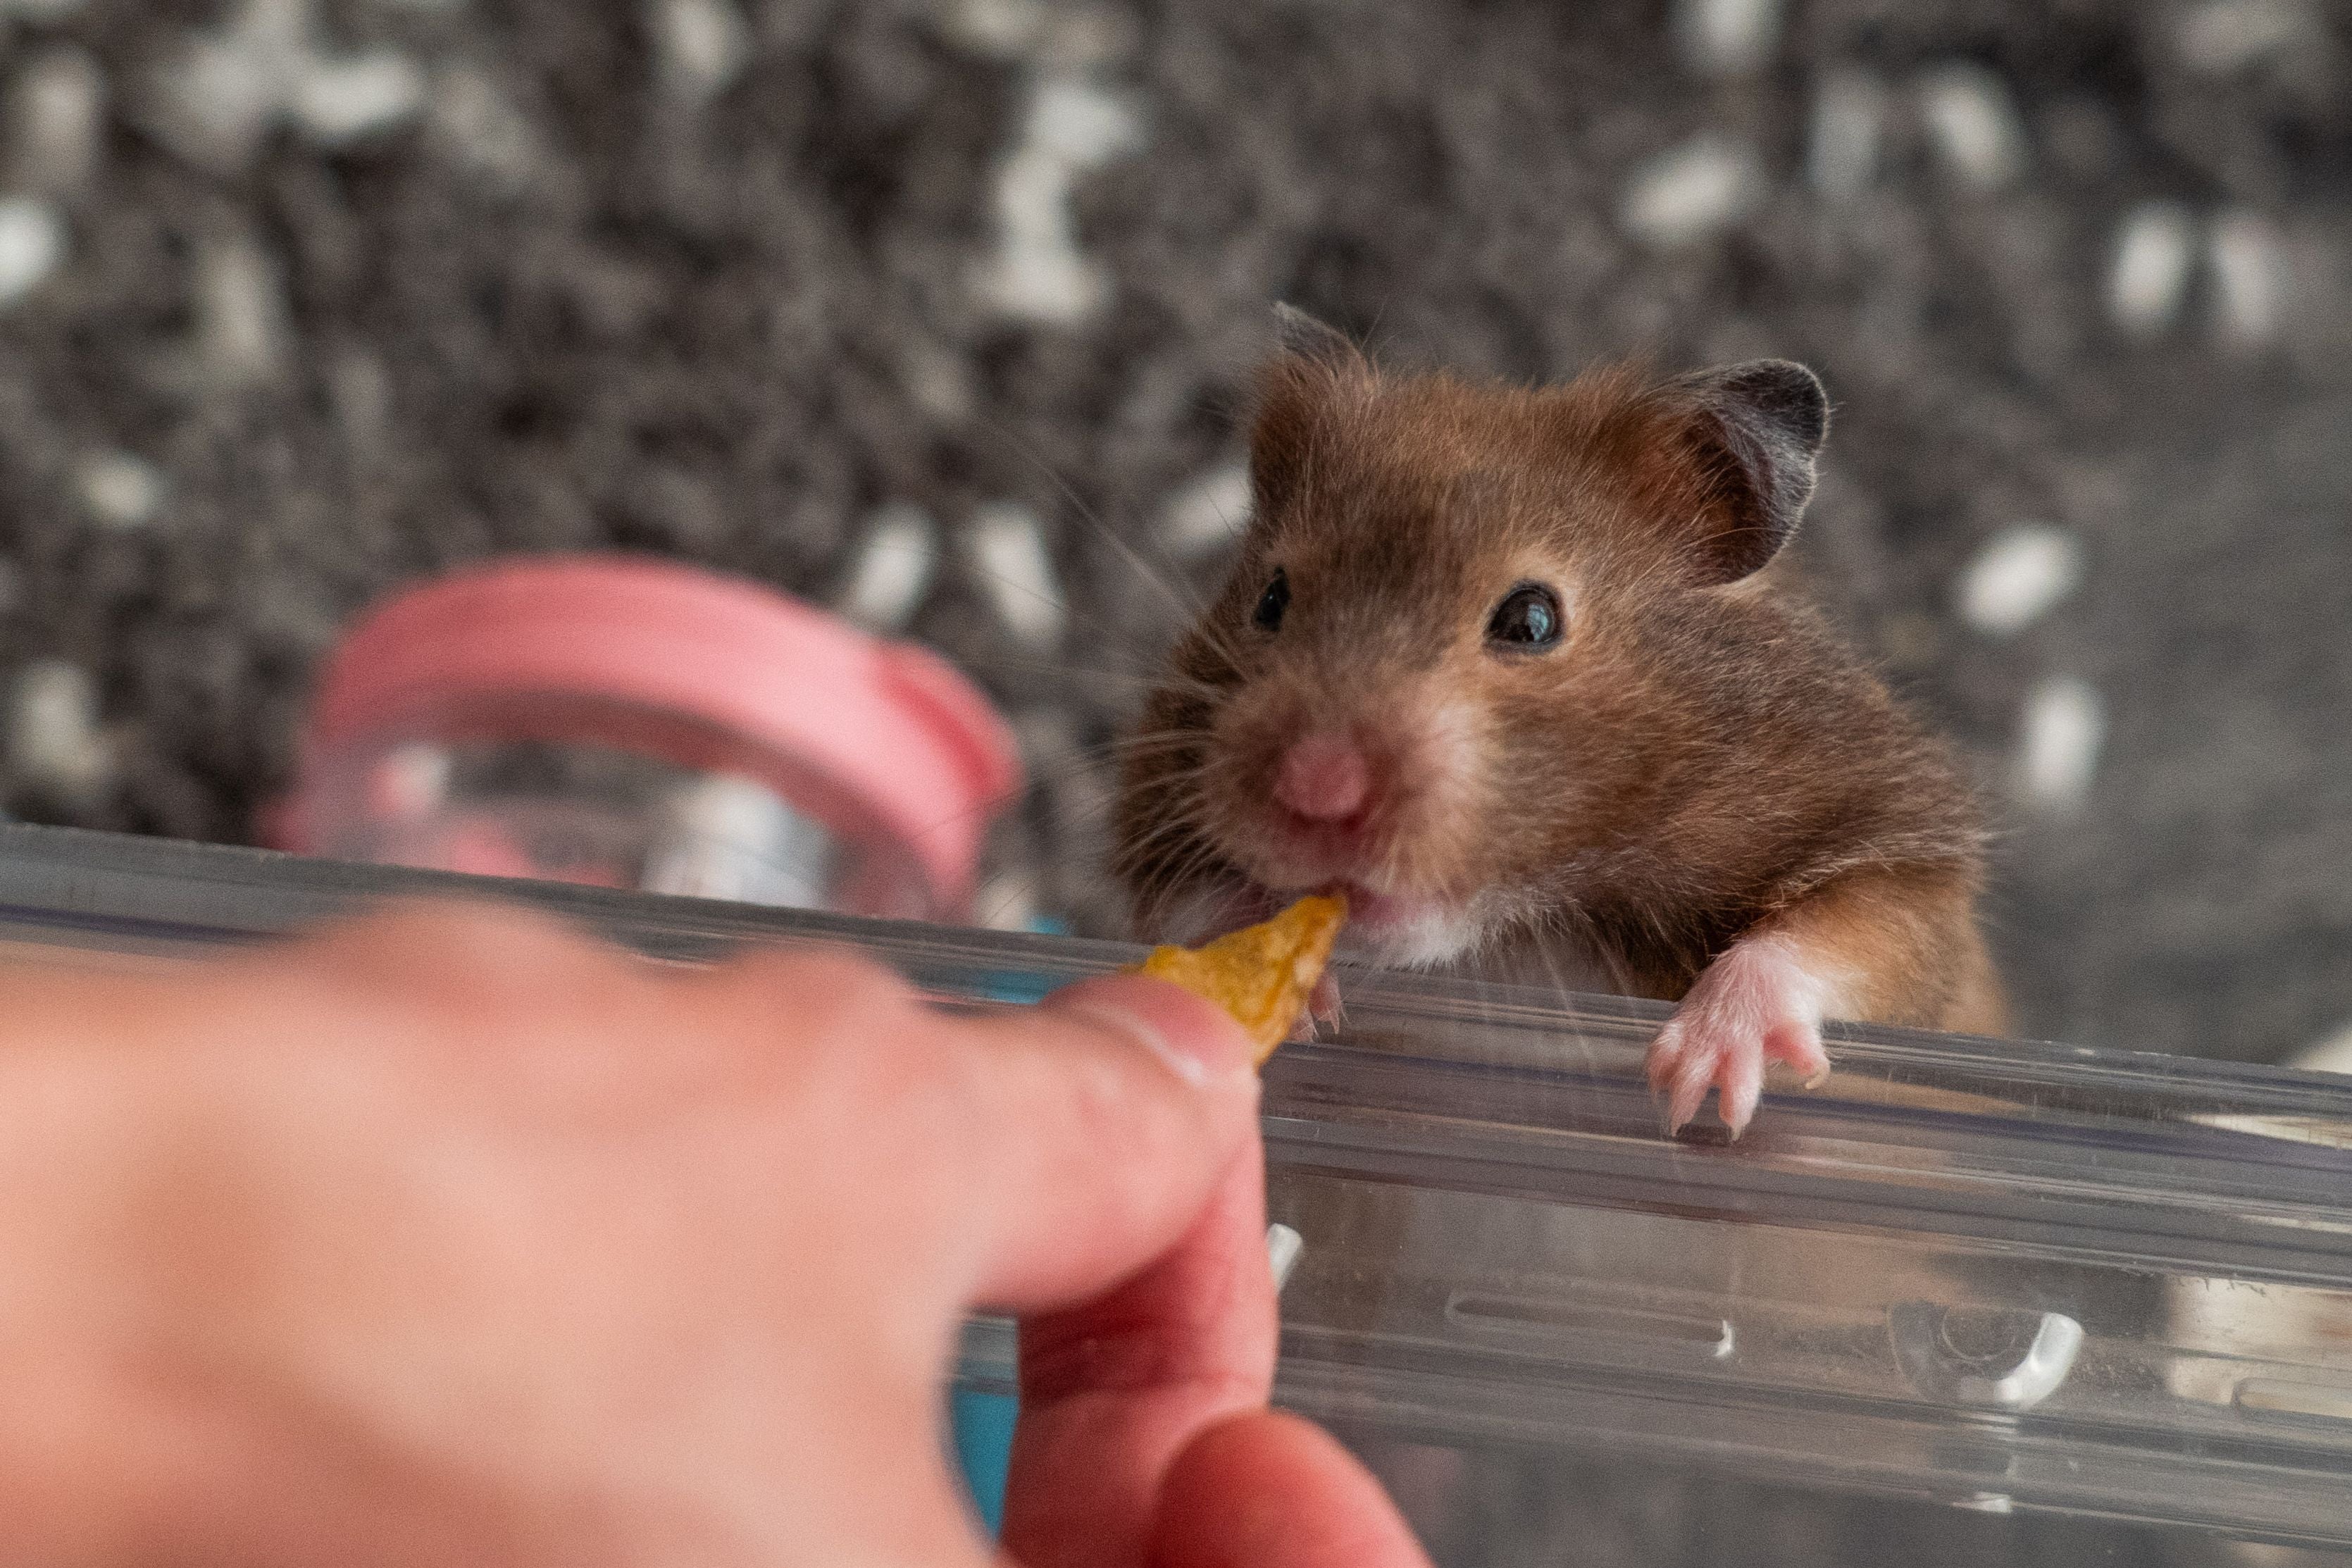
[[884, 741]]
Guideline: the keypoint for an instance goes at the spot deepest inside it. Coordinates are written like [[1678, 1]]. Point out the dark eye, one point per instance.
[[1271, 603], [1526, 621]]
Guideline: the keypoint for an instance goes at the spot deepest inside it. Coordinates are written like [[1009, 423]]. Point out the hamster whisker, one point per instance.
[[1123, 681], [1137, 856], [1186, 604], [1137, 853], [1181, 809], [1135, 748]]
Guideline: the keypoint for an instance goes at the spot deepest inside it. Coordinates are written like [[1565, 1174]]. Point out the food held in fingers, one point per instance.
[[1262, 974]]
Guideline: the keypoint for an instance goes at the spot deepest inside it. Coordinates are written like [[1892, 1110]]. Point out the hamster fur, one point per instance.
[[1506, 665]]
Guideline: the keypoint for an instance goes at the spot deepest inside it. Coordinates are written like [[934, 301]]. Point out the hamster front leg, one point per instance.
[[1884, 946]]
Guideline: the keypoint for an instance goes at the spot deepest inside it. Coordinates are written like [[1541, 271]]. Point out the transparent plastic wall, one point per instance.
[[1971, 1302]]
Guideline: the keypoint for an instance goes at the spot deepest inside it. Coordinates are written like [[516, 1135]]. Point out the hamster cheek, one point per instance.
[[1451, 748], [1760, 1001]]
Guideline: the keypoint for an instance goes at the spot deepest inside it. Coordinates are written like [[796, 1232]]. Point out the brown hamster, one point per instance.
[[1505, 666]]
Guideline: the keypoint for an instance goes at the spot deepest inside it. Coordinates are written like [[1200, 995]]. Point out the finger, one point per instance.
[[1270, 1490], [462, 954], [1031, 1157], [1113, 1391], [480, 978], [490, 967], [1103, 1119]]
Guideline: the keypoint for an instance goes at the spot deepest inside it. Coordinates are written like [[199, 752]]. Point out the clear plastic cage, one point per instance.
[[1972, 1301]]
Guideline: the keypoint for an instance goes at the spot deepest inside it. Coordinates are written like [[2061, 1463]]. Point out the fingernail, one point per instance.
[[1195, 1038]]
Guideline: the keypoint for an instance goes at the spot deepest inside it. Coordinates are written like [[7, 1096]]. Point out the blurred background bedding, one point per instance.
[[942, 313]]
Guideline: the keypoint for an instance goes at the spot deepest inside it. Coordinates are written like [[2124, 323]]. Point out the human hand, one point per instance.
[[451, 1236]]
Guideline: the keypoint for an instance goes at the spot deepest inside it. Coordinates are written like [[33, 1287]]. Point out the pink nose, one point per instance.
[[1324, 778]]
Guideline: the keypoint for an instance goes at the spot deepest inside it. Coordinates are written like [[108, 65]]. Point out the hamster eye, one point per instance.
[[1526, 621], [1271, 603]]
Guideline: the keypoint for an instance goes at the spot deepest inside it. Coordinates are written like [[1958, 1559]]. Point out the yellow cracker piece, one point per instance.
[[1262, 974]]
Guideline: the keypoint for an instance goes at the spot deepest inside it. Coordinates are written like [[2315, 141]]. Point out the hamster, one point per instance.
[[1505, 666]]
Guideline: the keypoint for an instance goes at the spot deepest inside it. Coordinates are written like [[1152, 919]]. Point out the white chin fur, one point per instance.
[[1426, 938]]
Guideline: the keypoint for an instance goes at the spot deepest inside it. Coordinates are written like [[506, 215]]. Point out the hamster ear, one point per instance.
[[1316, 364], [1759, 425], [1327, 348]]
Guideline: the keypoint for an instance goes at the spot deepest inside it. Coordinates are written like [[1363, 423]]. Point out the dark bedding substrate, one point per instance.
[[576, 289]]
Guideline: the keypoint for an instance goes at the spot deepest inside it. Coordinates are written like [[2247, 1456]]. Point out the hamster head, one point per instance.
[[1461, 659]]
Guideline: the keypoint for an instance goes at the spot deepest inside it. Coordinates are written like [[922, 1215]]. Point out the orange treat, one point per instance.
[[1262, 974]]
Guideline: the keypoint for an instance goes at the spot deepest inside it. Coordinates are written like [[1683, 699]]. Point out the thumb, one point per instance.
[[1106, 1116]]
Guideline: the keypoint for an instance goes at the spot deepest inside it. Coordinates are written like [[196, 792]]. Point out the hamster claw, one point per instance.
[[1322, 1007], [1324, 1004]]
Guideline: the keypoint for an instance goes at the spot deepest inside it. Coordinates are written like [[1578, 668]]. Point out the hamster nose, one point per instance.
[[1324, 778]]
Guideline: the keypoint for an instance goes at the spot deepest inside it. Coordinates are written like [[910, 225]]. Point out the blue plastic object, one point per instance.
[[982, 1424]]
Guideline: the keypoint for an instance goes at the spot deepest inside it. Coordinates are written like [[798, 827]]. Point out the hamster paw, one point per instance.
[[1756, 1003]]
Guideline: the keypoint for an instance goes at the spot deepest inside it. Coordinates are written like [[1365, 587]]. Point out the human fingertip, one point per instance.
[[1266, 1489], [1194, 1039]]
